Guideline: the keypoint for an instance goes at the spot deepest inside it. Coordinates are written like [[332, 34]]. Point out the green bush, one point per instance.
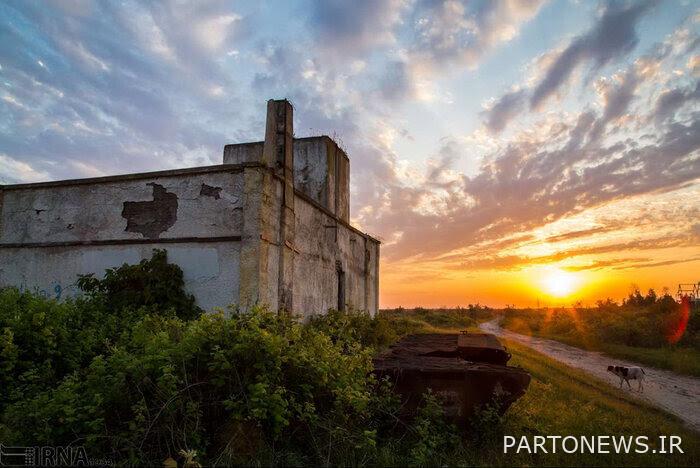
[[654, 330], [136, 374], [651, 325], [355, 327], [152, 284], [214, 384], [413, 320]]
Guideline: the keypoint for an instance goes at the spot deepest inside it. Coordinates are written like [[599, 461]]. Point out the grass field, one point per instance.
[[633, 333], [564, 401], [682, 360]]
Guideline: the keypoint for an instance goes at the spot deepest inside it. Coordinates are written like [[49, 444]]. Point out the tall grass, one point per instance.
[[560, 401], [654, 331]]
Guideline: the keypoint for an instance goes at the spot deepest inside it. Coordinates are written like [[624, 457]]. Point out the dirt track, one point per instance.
[[677, 394]]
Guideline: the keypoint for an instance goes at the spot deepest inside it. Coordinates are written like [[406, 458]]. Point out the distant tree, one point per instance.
[[666, 303], [635, 298], [650, 298], [606, 304]]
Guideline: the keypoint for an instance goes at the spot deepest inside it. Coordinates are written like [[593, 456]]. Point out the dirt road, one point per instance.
[[677, 394]]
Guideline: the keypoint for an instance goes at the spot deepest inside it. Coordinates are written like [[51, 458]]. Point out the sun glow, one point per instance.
[[559, 283]]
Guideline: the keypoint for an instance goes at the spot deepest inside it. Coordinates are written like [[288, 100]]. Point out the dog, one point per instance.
[[629, 373]]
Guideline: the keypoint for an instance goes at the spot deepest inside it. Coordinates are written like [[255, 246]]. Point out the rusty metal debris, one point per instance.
[[466, 371]]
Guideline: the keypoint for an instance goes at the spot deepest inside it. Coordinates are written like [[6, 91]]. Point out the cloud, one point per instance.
[[113, 86], [577, 234], [537, 179], [613, 36], [616, 92], [671, 100], [503, 110], [658, 263], [496, 261], [356, 27], [454, 32], [600, 264], [99, 87], [14, 171], [448, 34], [617, 97]]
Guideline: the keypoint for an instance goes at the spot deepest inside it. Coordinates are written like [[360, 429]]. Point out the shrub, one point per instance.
[[135, 373], [153, 284], [641, 321], [355, 327], [169, 385], [432, 437]]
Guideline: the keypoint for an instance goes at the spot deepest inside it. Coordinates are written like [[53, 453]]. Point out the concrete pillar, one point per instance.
[[1, 213], [256, 241], [267, 247], [278, 153]]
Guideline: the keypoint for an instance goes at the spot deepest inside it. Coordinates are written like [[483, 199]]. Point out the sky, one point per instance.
[[516, 152]]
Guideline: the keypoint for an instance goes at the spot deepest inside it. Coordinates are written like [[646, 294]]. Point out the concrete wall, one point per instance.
[[210, 269], [242, 153], [321, 170], [269, 226], [51, 232], [324, 246], [155, 207]]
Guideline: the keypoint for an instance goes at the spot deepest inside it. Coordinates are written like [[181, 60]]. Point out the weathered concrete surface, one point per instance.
[[322, 246], [149, 208], [241, 153], [265, 230], [153, 217], [278, 150], [210, 269], [321, 170]]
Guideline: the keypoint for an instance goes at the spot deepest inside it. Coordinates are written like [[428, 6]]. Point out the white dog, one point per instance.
[[629, 373]]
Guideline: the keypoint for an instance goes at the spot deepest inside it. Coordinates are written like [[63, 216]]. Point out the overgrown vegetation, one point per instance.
[[419, 319], [135, 373], [652, 329]]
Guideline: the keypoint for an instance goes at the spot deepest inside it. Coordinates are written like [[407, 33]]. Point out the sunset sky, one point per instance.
[[504, 153]]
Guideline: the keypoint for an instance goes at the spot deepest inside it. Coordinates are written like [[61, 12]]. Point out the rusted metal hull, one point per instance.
[[437, 362]]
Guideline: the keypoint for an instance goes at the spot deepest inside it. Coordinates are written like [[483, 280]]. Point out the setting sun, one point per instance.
[[559, 283]]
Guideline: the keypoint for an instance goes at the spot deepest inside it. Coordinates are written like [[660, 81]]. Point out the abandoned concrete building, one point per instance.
[[270, 225]]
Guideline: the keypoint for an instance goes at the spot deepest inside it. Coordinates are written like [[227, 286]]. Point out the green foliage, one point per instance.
[[487, 423], [652, 329], [135, 373], [356, 327], [432, 435], [142, 383], [415, 320], [167, 385], [152, 284]]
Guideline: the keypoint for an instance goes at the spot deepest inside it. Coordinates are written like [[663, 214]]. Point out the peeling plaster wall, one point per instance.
[[50, 233], [103, 211], [242, 232], [322, 246]]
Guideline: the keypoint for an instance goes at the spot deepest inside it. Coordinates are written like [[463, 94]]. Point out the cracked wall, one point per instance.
[[323, 245], [318, 163], [50, 233], [269, 226]]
